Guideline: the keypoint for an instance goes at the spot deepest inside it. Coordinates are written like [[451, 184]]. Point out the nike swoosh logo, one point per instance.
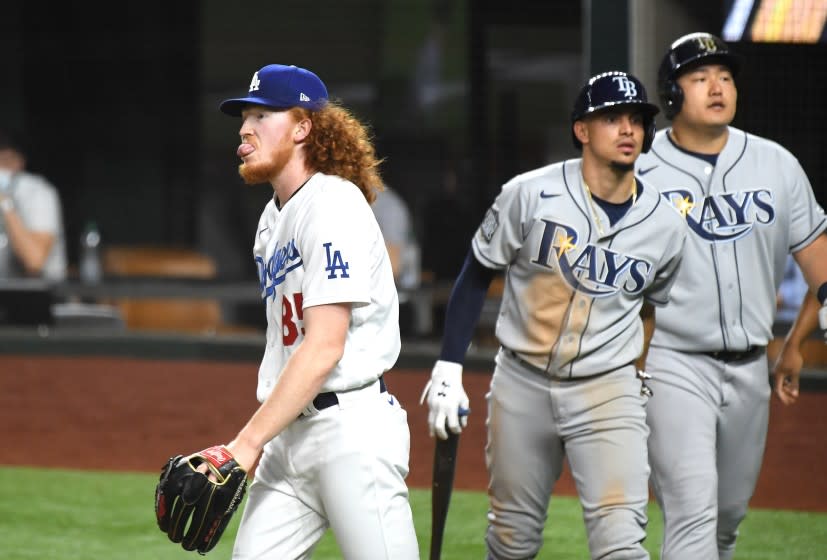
[[263, 230], [645, 171], [390, 400], [543, 194]]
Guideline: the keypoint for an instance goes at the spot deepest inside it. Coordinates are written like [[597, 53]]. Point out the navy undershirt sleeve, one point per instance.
[[464, 308]]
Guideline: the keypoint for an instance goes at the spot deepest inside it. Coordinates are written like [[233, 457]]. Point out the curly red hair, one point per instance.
[[339, 144]]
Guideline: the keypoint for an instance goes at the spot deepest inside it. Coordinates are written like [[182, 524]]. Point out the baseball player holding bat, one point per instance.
[[583, 244], [747, 204], [332, 443]]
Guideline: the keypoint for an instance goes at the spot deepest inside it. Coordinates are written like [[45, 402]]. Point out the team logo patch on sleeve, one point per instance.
[[336, 265], [489, 224]]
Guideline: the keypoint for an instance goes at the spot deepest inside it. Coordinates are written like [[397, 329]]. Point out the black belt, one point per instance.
[[326, 400], [525, 363], [548, 375], [735, 355]]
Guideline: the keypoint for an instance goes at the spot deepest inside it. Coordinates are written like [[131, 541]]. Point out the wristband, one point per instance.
[[821, 294]]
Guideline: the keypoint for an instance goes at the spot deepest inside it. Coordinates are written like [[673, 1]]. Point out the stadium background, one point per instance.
[[121, 101], [121, 105]]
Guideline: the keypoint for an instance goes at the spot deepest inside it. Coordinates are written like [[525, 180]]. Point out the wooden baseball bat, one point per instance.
[[445, 459]]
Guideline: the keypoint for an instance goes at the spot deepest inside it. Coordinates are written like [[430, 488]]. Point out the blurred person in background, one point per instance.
[[394, 219], [396, 224], [32, 238]]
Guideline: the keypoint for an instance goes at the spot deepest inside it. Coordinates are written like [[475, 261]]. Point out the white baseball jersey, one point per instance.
[[574, 284], [323, 247], [745, 215], [38, 205]]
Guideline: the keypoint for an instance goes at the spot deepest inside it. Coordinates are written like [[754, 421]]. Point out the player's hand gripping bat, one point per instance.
[[445, 461], [447, 414]]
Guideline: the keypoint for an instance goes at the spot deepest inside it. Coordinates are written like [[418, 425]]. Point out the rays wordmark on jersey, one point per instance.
[[594, 270], [725, 216], [281, 262]]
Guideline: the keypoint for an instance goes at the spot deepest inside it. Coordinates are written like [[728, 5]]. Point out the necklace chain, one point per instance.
[[595, 216]]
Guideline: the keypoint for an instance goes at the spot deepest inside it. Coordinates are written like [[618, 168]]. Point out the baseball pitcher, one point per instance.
[[332, 443]]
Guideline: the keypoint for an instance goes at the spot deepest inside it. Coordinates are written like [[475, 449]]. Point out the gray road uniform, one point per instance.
[[709, 413], [564, 383]]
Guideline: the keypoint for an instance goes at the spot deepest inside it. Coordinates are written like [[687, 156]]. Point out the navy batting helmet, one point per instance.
[[684, 54], [614, 89]]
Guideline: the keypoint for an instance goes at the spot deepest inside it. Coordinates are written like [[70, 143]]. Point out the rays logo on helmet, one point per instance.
[[626, 86], [724, 217], [707, 43], [596, 271]]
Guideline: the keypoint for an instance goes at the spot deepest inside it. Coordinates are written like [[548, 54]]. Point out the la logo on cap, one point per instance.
[[255, 82], [280, 87]]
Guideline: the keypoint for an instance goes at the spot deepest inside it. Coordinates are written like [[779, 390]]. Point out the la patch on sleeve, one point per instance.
[[336, 265]]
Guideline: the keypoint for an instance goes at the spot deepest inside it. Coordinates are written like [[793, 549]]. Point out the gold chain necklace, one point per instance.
[[595, 216]]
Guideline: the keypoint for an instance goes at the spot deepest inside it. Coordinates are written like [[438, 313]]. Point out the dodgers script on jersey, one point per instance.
[[571, 301], [324, 246], [748, 211]]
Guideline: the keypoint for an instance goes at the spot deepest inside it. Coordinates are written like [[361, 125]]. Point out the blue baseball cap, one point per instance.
[[280, 87]]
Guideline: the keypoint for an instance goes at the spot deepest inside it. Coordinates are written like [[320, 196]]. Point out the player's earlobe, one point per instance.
[[581, 131], [302, 130]]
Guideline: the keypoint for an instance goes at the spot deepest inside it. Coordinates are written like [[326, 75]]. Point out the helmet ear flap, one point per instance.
[[671, 97], [691, 49]]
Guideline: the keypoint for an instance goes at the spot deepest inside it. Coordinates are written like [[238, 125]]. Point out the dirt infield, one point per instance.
[[129, 414]]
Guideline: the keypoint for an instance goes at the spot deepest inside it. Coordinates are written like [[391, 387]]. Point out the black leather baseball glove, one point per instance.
[[194, 508]]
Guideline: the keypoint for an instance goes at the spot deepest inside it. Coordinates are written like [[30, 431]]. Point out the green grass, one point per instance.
[[71, 515]]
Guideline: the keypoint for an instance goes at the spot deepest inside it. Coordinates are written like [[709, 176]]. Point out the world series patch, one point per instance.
[[489, 224]]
